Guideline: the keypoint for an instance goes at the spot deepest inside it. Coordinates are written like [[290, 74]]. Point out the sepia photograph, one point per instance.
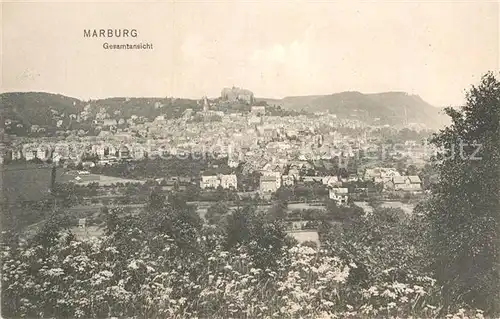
[[250, 159]]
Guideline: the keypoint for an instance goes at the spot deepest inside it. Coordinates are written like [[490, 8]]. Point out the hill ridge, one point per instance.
[[392, 107]]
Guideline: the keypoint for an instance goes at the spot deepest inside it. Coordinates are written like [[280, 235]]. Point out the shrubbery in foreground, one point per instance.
[[136, 272]]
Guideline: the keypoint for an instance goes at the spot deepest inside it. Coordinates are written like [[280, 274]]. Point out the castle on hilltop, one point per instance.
[[236, 94]]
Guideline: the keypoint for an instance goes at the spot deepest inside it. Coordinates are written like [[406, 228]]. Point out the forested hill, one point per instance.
[[58, 112], [38, 108], [54, 111], [388, 107]]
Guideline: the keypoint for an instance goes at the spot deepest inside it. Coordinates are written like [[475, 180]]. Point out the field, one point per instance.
[[366, 207], [293, 206], [305, 235], [103, 180], [87, 232], [407, 208], [25, 182]]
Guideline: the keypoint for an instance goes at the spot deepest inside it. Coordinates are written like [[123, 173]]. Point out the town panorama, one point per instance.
[[235, 206]]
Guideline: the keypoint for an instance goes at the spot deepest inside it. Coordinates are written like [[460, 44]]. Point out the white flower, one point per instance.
[[294, 308], [388, 293], [106, 273], [419, 290], [55, 272], [388, 270], [30, 252], [313, 291], [373, 290], [133, 265], [325, 315], [366, 309]]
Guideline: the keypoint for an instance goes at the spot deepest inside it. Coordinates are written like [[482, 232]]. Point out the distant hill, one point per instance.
[[46, 110], [23, 110], [37, 108], [388, 107]]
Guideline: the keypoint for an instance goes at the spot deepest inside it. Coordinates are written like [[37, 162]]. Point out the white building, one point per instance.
[[331, 181], [29, 153], [138, 152], [288, 180], [228, 181], [275, 175], [269, 184], [109, 122], [233, 163], [43, 153], [209, 181], [340, 195], [214, 181]]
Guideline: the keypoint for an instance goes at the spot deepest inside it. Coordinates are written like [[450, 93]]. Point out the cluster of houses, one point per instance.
[[106, 153], [392, 180], [271, 180], [226, 181]]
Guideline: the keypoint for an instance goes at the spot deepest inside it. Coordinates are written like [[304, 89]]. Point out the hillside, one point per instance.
[[53, 112], [38, 108], [389, 107]]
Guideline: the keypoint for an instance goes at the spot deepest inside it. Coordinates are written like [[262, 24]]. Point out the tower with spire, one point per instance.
[[205, 104]]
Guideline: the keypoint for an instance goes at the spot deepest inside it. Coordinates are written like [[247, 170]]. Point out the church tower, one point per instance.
[[205, 104]]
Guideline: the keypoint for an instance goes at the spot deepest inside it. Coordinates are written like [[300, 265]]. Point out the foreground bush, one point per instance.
[[150, 276]]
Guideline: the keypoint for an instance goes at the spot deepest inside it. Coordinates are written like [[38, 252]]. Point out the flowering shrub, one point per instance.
[[132, 273]]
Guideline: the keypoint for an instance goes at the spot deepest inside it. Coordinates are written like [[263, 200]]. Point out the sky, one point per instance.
[[275, 49]]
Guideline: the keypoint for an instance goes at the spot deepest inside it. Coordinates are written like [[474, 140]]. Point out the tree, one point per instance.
[[464, 208], [411, 170], [263, 238], [426, 175], [192, 192], [131, 190], [401, 166], [65, 194], [216, 212], [238, 226], [342, 213], [156, 200], [278, 211], [220, 193], [284, 193], [370, 243]]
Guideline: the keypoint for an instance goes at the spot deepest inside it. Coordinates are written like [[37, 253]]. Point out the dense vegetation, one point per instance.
[[23, 110], [159, 168], [165, 263], [441, 261], [465, 207]]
